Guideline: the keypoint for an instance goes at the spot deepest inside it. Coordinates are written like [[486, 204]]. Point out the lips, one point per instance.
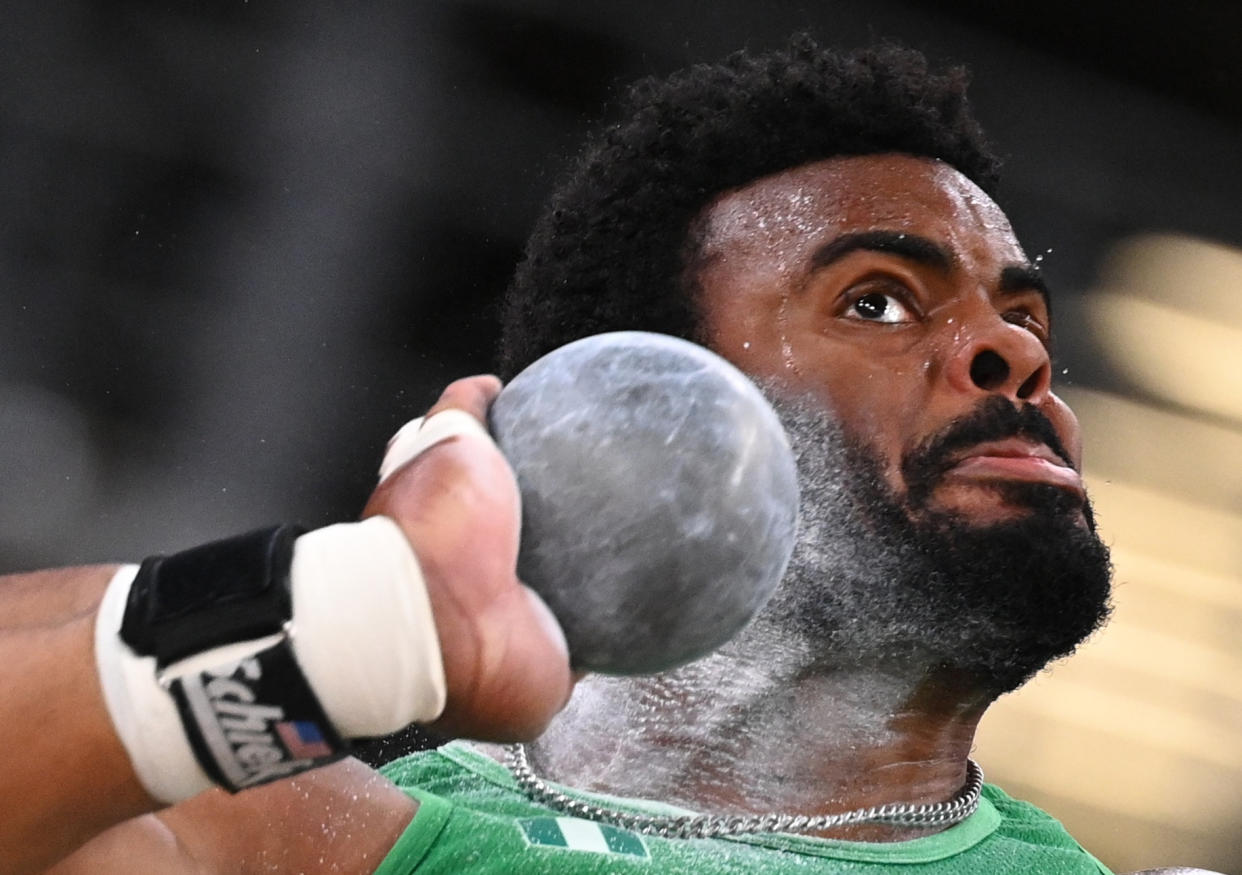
[[1016, 459]]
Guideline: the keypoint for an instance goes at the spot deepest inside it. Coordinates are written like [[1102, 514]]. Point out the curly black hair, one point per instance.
[[611, 249]]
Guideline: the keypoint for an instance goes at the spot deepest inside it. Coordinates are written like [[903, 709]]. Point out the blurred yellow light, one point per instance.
[[1146, 715], [1140, 444], [1178, 531], [1186, 359], [1185, 273]]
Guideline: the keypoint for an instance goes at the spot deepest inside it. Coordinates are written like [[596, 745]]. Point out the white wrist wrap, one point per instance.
[[362, 633], [142, 711]]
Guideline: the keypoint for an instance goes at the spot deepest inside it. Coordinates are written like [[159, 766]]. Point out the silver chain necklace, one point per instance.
[[703, 826]]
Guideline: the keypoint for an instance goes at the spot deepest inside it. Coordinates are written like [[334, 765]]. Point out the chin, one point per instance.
[[997, 503]]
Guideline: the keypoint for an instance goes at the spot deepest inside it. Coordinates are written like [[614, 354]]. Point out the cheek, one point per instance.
[[877, 409], [742, 326]]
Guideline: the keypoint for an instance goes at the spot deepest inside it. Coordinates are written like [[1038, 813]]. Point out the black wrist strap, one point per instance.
[[256, 720], [249, 721], [219, 593]]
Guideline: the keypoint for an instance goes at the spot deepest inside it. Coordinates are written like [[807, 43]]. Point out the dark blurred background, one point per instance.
[[241, 242]]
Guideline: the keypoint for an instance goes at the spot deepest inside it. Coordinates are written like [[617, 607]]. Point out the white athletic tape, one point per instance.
[[363, 631], [419, 435], [142, 711]]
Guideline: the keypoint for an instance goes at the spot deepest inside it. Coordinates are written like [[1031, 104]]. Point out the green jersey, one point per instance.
[[473, 817]]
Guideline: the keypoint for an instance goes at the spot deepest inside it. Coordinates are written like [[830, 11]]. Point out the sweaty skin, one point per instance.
[[891, 289], [780, 301], [952, 315], [504, 659]]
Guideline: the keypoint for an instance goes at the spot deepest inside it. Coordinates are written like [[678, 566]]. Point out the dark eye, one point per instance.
[[879, 307], [1026, 320]]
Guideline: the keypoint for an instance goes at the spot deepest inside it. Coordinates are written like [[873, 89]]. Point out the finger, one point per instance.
[[461, 410], [471, 394], [519, 677], [537, 654]]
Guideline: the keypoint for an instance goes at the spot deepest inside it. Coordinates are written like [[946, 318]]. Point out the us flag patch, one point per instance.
[[575, 834], [303, 739]]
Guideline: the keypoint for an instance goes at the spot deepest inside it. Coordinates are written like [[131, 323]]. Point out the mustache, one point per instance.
[[993, 419]]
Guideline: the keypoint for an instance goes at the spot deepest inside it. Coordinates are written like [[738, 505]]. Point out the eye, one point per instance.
[[1029, 321], [880, 307]]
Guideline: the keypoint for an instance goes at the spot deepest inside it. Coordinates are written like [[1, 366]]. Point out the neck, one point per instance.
[[758, 728]]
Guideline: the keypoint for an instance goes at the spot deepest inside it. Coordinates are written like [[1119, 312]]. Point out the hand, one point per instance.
[[505, 660]]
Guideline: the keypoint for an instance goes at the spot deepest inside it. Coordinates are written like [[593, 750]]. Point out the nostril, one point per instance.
[[989, 371], [1027, 389]]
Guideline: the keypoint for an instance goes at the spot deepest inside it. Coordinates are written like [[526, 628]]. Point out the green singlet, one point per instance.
[[472, 817]]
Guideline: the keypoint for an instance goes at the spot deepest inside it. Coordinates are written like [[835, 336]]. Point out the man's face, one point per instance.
[[892, 289], [886, 306]]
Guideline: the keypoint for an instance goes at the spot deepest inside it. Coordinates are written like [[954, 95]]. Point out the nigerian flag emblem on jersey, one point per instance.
[[575, 834]]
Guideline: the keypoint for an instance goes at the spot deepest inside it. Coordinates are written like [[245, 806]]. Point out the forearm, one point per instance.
[[342, 819], [64, 775], [67, 784], [413, 615], [51, 597]]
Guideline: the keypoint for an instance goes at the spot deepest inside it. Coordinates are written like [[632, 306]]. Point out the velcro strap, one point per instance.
[[255, 720], [236, 589]]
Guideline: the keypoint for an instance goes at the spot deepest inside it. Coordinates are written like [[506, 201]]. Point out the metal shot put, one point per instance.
[[659, 497]]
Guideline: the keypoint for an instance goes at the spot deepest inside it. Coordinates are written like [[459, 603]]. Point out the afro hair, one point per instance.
[[611, 249]]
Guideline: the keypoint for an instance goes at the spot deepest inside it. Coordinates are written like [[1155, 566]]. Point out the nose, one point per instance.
[[1000, 358]]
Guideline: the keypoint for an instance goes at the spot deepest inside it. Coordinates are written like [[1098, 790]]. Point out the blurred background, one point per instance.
[[240, 242]]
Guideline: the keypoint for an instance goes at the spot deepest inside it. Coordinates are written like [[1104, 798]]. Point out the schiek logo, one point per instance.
[[244, 734]]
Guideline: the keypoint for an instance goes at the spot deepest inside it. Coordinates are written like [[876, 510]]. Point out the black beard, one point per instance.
[[881, 582]]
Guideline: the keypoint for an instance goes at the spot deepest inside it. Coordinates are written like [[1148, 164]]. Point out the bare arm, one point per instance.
[[342, 819], [57, 737], [78, 790], [42, 598], [65, 777]]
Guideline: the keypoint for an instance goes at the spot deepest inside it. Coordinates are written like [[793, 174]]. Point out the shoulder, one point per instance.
[[473, 817], [1016, 810], [449, 771], [1035, 830]]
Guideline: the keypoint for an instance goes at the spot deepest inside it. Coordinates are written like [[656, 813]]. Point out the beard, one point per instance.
[[882, 580]]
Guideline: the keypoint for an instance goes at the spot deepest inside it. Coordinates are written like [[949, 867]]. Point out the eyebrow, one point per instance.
[[909, 246], [1023, 278]]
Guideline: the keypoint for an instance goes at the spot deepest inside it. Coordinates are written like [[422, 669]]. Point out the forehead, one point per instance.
[[783, 213]]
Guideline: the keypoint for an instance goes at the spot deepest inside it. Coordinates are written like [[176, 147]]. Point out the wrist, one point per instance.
[[253, 658], [143, 714], [370, 651]]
